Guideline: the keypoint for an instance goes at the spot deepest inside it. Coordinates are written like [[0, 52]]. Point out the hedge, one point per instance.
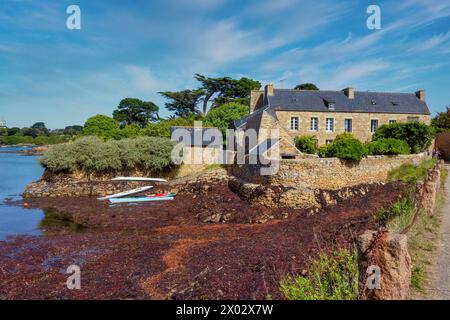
[[388, 146], [306, 144], [92, 155], [418, 136]]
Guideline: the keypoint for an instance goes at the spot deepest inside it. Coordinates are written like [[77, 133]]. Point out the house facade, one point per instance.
[[2, 124], [325, 114]]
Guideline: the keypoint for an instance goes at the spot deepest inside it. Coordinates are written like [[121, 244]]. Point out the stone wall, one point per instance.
[[326, 173]]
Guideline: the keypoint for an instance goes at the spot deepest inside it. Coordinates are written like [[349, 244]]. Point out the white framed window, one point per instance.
[[331, 106], [314, 124], [373, 125], [329, 125], [391, 121], [348, 125], [294, 123]]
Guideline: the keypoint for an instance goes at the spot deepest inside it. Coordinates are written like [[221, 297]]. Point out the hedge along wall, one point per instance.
[[327, 173]]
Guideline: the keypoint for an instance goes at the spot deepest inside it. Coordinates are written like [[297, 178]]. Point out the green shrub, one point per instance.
[[329, 278], [323, 151], [131, 131], [401, 207], [419, 136], [344, 135], [409, 172], [306, 144], [101, 126], [222, 117], [91, 155], [162, 128], [388, 146], [347, 148], [16, 139]]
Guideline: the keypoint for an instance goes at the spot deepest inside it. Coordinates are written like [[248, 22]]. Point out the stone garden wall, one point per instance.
[[326, 173]]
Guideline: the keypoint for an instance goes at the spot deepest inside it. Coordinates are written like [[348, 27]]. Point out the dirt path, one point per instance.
[[442, 280]]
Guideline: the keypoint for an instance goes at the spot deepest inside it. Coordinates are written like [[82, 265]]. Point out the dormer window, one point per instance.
[[330, 105], [373, 102]]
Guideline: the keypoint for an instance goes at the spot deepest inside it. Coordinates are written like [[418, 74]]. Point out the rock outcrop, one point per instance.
[[385, 255]]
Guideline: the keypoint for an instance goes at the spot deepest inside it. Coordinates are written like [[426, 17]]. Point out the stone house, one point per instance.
[[325, 114], [201, 145]]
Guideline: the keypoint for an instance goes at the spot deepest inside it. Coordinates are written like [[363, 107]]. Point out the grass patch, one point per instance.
[[410, 172], [400, 214], [417, 278], [422, 240], [331, 277]]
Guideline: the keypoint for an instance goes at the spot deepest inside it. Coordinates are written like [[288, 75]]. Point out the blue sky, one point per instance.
[[137, 48]]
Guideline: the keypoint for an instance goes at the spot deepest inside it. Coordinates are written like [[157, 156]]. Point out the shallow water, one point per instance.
[[16, 171]]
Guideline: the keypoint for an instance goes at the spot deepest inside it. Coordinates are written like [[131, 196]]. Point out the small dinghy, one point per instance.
[[152, 197], [126, 193], [138, 179]]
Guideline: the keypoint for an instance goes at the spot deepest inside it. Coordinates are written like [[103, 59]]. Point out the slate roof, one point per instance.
[[374, 102]]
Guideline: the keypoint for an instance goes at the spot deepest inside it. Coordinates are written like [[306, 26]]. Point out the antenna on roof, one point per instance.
[[282, 83]]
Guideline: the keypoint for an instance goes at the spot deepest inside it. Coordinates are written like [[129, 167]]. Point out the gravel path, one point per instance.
[[442, 283]]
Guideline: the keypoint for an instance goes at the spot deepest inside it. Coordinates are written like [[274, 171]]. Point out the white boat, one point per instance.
[[138, 179], [126, 193], [140, 199]]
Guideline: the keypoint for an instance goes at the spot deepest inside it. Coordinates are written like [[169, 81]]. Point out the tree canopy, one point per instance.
[[222, 117], [442, 121], [135, 111], [306, 86], [101, 126], [183, 103]]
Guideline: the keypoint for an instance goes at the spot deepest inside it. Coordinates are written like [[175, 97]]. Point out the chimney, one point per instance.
[[268, 90], [421, 95], [349, 92]]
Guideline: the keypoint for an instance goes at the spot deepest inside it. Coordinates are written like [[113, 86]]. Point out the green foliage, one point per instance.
[[135, 111], [323, 151], [13, 131], [409, 172], [162, 128], [72, 130], [388, 146], [92, 155], [306, 86], [442, 121], [17, 139], [329, 278], [3, 131], [345, 135], [348, 148], [101, 126], [306, 144], [419, 136], [404, 206], [417, 277], [183, 103], [222, 117], [131, 131]]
